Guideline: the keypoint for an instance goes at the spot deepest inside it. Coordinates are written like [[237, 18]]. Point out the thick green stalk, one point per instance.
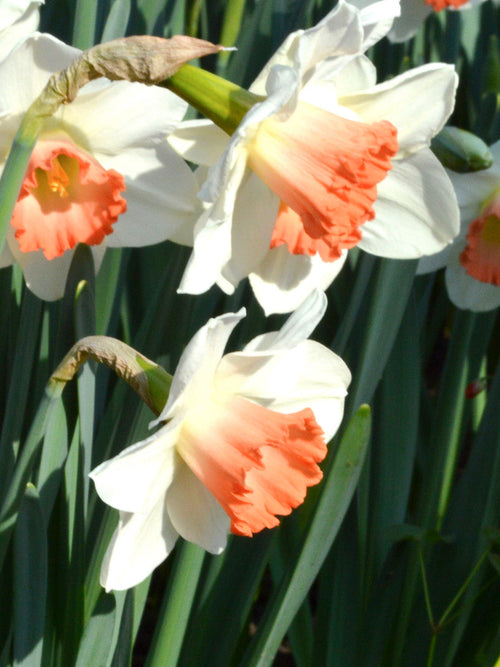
[[221, 101], [15, 169]]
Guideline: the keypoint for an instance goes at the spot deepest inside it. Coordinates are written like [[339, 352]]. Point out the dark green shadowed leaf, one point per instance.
[[224, 601], [30, 580]]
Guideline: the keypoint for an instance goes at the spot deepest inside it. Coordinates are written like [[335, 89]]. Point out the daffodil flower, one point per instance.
[[473, 261], [329, 160], [18, 20], [101, 172], [414, 13], [241, 438]]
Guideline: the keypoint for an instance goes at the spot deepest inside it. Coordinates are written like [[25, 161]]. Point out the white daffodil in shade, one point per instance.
[[241, 438], [414, 13], [101, 172], [327, 161], [18, 20], [473, 261]]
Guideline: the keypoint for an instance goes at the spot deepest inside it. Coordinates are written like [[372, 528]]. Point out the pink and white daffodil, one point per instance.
[[241, 438], [327, 161], [18, 20], [473, 261], [414, 13], [101, 172]]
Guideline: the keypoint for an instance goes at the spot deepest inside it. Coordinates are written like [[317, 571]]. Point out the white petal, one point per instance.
[[297, 327], [12, 10], [47, 278], [28, 68], [195, 513], [355, 74], [118, 115], [199, 141], [283, 281], [376, 18], [133, 480], [307, 375], [9, 124], [416, 212], [160, 193], [212, 233], [474, 189], [417, 102], [139, 544], [413, 14], [255, 213], [194, 374], [22, 25], [465, 291], [339, 33]]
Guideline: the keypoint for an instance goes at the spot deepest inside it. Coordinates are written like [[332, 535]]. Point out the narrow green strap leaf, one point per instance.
[[109, 283], [394, 442], [447, 429], [230, 30], [224, 603], [123, 644], [116, 23], [54, 452], [393, 283], [84, 24], [30, 581], [15, 490], [95, 645], [336, 495], [176, 608], [82, 272], [19, 386], [436, 486]]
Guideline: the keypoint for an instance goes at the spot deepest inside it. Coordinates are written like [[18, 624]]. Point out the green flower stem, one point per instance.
[[436, 628], [425, 585], [176, 607], [221, 101], [15, 167], [449, 609]]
